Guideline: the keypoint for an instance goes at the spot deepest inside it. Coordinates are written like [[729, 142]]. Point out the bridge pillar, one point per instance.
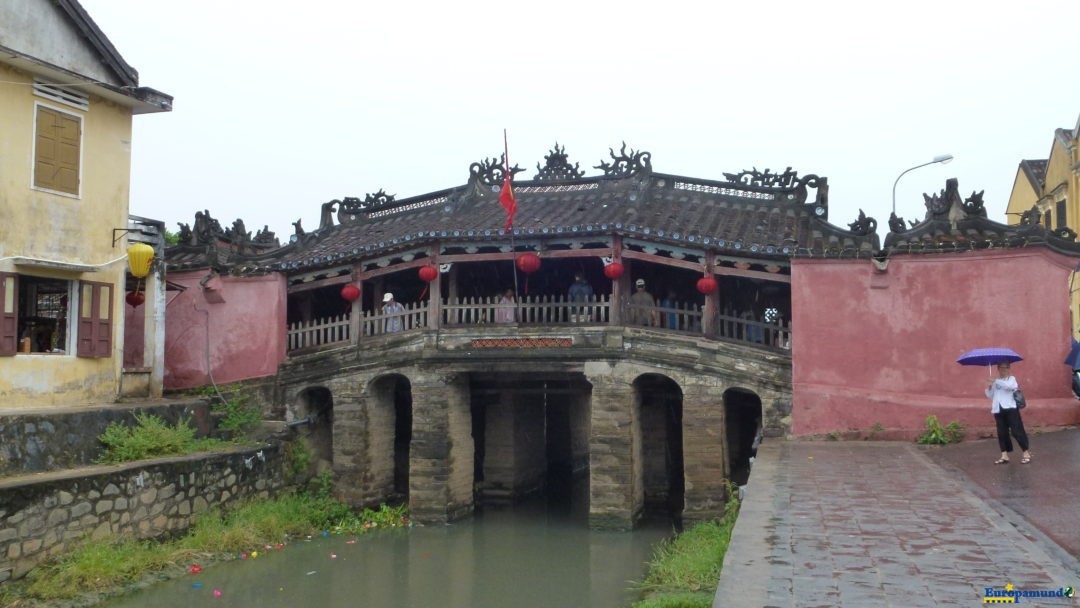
[[441, 453], [704, 450], [616, 492], [350, 446]]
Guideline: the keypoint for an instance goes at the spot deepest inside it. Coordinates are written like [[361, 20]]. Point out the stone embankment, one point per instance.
[[51, 510]]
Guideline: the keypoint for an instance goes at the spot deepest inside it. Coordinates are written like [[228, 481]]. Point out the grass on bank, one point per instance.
[[684, 571], [109, 565]]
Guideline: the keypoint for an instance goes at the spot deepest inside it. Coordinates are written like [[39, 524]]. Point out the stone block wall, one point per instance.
[[45, 515], [32, 441]]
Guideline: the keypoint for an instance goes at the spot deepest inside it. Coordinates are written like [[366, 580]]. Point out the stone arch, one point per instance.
[[743, 422], [313, 421], [389, 432], [658, 405]]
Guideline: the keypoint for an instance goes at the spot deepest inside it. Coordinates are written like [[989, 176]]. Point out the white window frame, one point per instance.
[[82, 150]]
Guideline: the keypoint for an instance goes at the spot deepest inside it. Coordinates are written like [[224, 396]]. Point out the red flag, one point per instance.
[[506, 198]]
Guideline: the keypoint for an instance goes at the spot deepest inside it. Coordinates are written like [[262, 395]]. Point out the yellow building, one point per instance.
[[1052, 185], [1048, 191], [67, 99]]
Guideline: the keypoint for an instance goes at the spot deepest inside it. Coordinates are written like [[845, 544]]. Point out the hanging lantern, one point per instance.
[[528, 263], [350, 292], [613, 271], [428, 273], [706, 285], [135, 298], [140, 256]]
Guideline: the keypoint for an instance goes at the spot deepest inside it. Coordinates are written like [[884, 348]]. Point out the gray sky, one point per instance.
[[278, 111]]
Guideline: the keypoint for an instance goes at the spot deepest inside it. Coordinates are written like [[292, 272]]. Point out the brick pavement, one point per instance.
[[873, 524]]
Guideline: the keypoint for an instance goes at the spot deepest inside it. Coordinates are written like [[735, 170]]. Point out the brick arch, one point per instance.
[[389, 430], [658, 405], [311, 415]]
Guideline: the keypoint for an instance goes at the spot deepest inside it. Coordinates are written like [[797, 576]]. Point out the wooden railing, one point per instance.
[[686, 318], [318, 332], [530, 310], [376, 322]]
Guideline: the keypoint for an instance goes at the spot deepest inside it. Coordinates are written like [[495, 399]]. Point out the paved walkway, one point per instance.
[[871, 524]]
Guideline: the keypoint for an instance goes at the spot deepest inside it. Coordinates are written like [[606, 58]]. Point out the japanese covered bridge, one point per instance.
[[483, 380]]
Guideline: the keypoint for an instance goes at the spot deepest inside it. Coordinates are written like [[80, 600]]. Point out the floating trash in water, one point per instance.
[[326, 533], [333, 556], [280, 546], [217, 592], [351, 541], [254, 554], [197, 585], [312, 572], [195, 569], [243, 556]]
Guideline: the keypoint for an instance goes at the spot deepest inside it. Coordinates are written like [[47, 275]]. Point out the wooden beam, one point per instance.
[[341, 280]]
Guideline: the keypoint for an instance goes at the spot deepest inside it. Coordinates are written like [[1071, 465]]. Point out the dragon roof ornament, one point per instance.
[[557, 168], [626, 164]]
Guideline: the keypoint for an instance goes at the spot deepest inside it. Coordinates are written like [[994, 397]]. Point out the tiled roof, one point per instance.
[[955, 224], [752, 214], [1035, 170]]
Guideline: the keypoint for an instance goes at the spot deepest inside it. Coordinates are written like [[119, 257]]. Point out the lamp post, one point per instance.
[[943, 159]]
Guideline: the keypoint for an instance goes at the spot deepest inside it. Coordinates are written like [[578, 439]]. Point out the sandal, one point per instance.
[[1003, 461], [1025, 460]]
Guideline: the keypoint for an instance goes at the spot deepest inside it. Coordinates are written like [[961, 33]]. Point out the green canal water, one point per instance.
[[527, 556]]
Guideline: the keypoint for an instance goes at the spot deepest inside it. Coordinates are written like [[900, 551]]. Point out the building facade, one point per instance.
[[66, 109]]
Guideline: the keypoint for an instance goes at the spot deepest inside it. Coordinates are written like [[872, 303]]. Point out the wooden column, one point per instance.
[[712, 300], [434, 315], [452, 285], [620, 288]]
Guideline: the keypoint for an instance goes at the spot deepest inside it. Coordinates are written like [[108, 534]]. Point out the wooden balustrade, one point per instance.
[[686, 318], [318, 332]]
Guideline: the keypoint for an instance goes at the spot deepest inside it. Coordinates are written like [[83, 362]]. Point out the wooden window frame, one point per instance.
[[94, 331], [36, 180], [9, 314]]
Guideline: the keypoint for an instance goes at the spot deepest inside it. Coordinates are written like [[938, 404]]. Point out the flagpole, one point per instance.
[[513, 247]]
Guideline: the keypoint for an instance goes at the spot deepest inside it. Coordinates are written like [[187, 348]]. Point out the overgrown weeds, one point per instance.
[[936, 434], [684, 571], [151, 437]]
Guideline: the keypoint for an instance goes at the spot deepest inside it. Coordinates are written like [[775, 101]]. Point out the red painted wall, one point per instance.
[[872, 347], [134, 326], [246, 321]]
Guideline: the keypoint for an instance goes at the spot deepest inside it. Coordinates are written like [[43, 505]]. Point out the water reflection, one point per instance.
[[524, 556]]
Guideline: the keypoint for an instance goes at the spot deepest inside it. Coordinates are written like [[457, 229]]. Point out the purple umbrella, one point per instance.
[[989, 356]]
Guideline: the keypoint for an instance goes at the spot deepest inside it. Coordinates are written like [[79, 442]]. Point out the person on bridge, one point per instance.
[[392, 309], [1000, 390], [580, 291], [504, 312], [642, 306]]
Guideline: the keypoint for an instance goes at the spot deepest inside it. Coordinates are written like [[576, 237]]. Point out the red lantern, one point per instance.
[[706, 285], [350, 292], [613, 271], [428, 273], [135, 298], [528, 263]]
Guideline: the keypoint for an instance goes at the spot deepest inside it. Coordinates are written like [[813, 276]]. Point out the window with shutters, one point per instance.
[[33, 315], [1061, 217], [57, 150], [95, 320]]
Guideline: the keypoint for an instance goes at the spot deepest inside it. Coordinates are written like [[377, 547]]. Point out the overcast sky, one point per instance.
[[279, 110]]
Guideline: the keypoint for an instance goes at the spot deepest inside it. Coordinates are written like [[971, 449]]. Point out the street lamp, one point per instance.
[[943, 159]]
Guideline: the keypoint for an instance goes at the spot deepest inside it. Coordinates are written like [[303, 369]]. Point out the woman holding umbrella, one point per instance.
[[1007, 416]]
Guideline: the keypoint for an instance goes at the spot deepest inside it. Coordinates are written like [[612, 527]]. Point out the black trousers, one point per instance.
[[1008, 420]]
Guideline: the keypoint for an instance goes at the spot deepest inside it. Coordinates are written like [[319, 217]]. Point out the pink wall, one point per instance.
[[880, 347], [246, 319]]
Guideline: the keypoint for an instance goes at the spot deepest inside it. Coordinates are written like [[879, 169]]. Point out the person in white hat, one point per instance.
[[392, 309], [642, 306]]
